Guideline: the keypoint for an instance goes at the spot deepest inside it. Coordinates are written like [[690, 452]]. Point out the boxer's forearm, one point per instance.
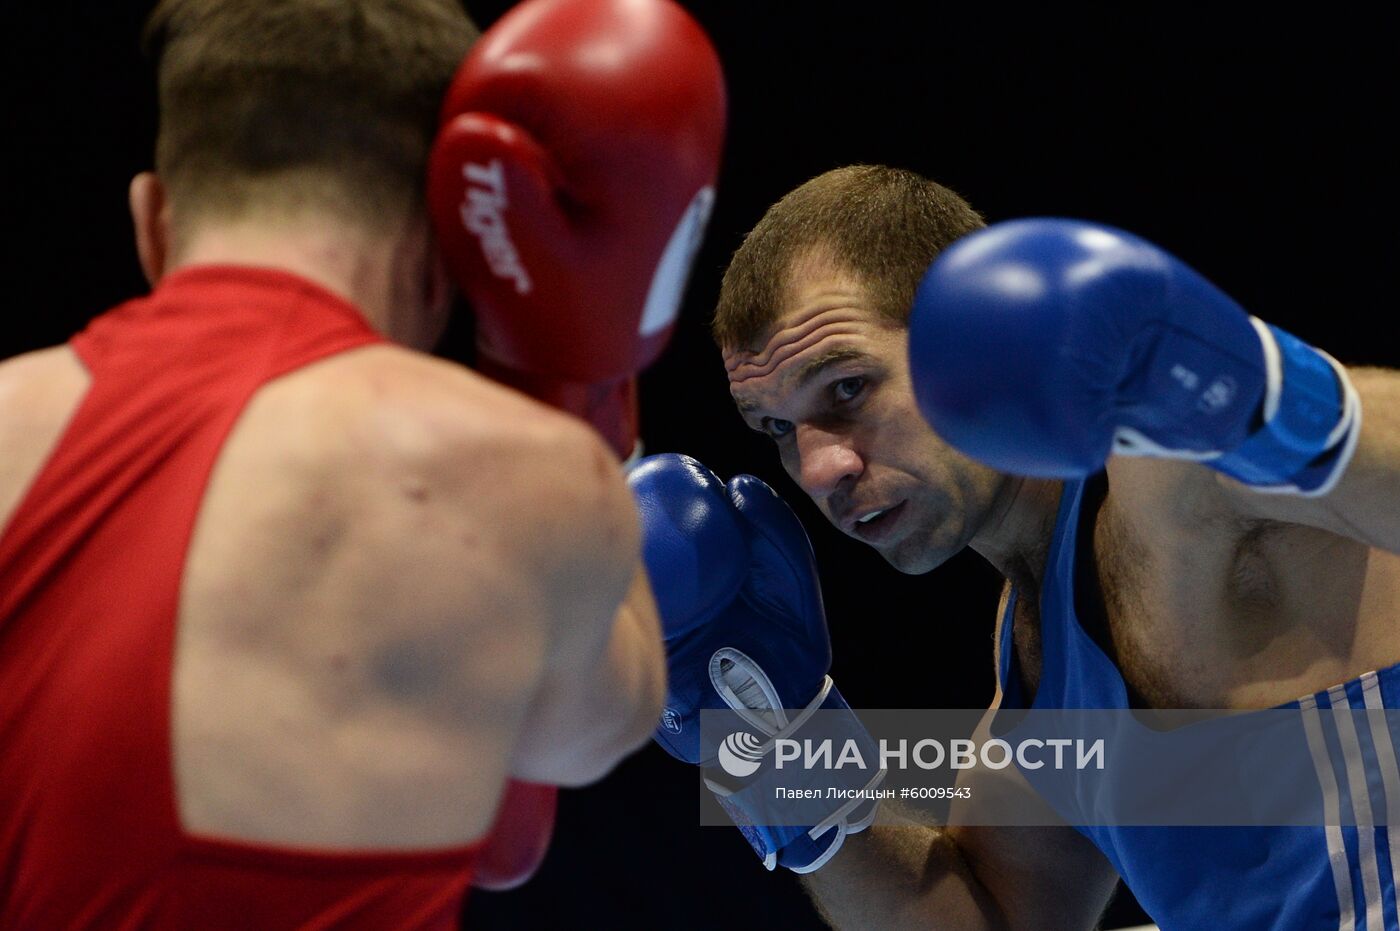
[[902, 877], [1367, 500], [904, 874], [1365, 504]]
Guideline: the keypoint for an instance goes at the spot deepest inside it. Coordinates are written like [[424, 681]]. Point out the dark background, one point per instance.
[[1259, 150]]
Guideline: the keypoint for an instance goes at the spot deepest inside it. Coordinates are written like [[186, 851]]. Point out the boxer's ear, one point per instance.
[[439, 292], [432, 285], [150, 218]]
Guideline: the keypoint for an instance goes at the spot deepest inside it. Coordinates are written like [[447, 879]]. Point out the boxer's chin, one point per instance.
[[912, 559], [917, 551]]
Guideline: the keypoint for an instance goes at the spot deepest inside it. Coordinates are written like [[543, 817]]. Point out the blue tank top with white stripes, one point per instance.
[[1342, 877]]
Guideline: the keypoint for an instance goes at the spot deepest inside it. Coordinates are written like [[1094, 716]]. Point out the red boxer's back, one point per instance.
[[91, 565]]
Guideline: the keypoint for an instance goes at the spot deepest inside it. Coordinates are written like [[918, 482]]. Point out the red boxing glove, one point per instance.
[[519, 837], [570, 185]]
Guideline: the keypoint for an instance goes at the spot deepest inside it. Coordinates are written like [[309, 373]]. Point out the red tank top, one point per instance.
[[90, 569]]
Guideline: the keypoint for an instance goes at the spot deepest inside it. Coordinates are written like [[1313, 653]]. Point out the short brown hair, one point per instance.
[[289, 103], [885, 225]]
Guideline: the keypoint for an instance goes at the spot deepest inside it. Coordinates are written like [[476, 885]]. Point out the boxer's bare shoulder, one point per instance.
[[1202, 603], [370, 595], [1269, 609], [39, 392]]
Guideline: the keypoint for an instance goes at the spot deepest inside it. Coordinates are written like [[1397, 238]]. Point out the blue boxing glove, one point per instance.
[[1040, 346], [741, 611]]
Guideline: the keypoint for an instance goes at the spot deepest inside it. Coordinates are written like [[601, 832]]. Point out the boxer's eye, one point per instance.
[[847, 389], [775, 428]]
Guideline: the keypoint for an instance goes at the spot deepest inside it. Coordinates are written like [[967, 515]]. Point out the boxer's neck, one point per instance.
[[1016, 539], [385, 275]]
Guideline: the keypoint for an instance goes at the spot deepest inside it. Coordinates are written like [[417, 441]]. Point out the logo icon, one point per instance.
[[671, 720], [740, 754], [1219, 395], [483, 212]]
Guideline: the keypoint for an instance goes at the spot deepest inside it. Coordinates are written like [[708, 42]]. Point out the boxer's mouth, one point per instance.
[[876, 525]]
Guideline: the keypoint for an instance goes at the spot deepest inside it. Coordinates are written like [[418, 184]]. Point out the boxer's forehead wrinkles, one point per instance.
[[792, 340], [809, 370], [794, 355]]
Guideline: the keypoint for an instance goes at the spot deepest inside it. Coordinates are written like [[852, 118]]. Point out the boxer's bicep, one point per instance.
[[603, 679]]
